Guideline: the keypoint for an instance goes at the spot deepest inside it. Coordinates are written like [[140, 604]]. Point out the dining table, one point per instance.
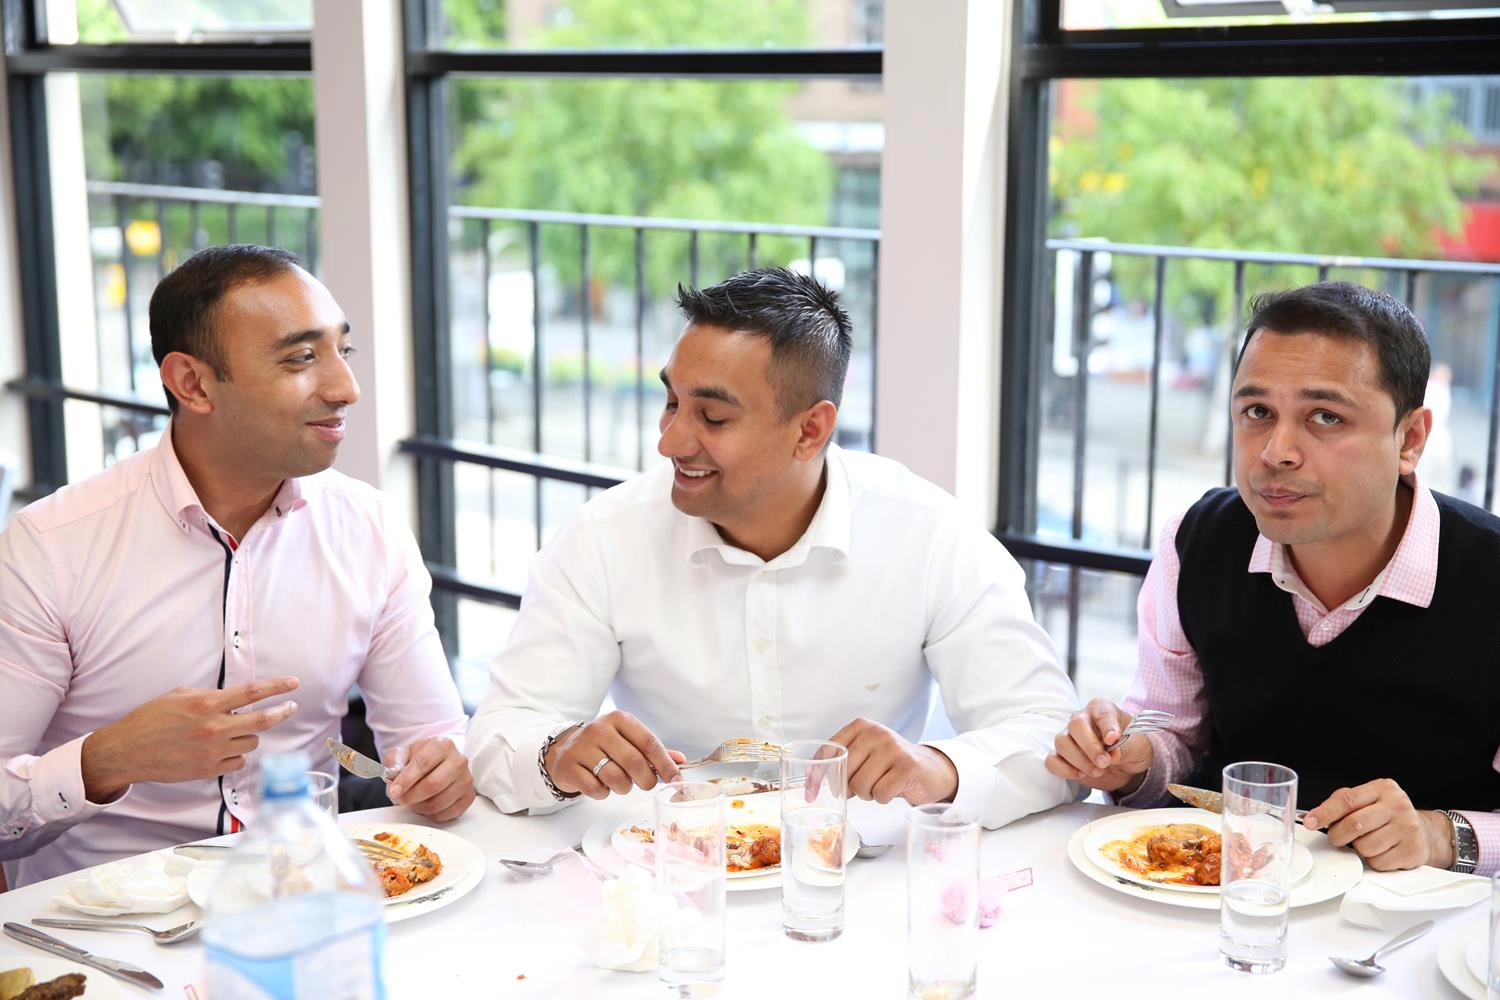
[[1062, 935]]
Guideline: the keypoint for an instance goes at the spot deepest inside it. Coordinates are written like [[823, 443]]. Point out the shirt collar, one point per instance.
[[829, 529], [177, 495], [1410, 576]]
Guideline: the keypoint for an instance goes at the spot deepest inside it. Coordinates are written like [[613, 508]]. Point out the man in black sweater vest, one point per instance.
[[1331, 613]]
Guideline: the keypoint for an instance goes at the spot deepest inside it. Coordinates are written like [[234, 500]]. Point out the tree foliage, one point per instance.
[[1334, 165]]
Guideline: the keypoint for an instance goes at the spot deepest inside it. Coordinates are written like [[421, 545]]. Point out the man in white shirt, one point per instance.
[[766, 583]]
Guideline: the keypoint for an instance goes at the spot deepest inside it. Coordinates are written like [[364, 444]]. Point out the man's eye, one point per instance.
[[347, 350], [671, 405], [301, 359], [1325, 419], [1256, 412], [713, 423]]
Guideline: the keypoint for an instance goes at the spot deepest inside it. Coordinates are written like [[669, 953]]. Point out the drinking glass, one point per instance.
[[689, 850], [1260, 804], [323, 788], [1492, 983], [814, 787], [942, 902]]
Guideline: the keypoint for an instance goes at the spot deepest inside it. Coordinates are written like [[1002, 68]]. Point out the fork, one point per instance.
[[737, 751], [536, 869], [376, 851], [1150, 720]]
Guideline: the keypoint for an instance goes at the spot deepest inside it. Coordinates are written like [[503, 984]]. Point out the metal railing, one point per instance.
[[1027, 542]]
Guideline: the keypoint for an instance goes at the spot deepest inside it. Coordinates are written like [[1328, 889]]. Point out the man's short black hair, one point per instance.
[[1344, 309], [184, 305], [809, 331]]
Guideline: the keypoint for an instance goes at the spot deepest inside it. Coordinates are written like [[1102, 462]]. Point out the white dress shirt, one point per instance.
[[115, 590], [888, 589]]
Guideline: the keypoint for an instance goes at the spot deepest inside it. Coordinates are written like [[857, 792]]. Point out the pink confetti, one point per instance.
[[937, 850], [956, 904]]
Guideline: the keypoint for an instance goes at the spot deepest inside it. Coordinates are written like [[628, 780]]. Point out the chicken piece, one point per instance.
[[765, 852], [61, 988], [1206, 871], [398, 877]]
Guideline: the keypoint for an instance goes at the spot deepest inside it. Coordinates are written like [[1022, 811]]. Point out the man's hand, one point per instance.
[[636, 757], [1081, 755], [186, 733], [434, 781], [1384, 827], [883, 766]]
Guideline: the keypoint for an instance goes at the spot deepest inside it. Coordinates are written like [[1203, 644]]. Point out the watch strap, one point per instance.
[[1465, 844]]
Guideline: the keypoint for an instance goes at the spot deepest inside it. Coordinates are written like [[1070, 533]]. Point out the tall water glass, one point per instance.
[[324, 790], [1492, 983], [814, 787], [689, 848], [942, 902], [1255, 881]]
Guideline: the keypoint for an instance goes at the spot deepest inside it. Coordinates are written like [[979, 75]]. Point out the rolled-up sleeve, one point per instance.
[[40, 795], [1000, 681], [558, 665]]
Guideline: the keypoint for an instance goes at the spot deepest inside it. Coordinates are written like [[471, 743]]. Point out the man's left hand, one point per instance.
[[883, 766], [434, 781], [1384, 827]]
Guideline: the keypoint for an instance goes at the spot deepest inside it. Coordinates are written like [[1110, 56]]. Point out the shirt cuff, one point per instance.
[[56, 783], [978, 783], [1487, 832]]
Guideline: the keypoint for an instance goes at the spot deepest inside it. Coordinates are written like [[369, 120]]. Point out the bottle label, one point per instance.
[[347, 968]]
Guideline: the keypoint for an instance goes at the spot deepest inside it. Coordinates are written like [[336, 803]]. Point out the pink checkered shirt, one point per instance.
[[1169, 677]]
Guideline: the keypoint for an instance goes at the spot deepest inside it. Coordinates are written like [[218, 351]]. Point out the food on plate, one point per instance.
[[742, 785], [828, 846], [13, 981], [61, 988], [1173, 854], [397, 877], [747, 846]]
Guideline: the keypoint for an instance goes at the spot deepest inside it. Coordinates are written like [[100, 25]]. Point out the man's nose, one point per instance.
[[342, 388], [675, 441], [1283, 447]]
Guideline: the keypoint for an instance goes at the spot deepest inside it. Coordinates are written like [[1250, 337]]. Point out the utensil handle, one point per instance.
[[1405, 937], [46, 942], [85, 925]]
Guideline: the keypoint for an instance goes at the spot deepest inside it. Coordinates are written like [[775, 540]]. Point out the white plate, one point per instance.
[[98, 986], [1477, 955], [1335, 871], [463, 866], [1452, 949], [600, 842], [1123, 826]]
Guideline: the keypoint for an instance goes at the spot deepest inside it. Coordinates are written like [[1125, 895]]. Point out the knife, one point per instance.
[[357, 763], [1202, 798], [46, 942]]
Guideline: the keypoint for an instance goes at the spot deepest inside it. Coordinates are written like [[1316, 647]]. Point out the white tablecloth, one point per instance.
[[1064, 936]]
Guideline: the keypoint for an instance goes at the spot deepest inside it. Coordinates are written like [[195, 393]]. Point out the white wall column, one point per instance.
[[942, 237], [15, 439], [359, 88]]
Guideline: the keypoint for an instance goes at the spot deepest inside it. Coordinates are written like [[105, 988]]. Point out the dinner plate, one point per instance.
[[98, 986], [1477, 955], [463, 866], [602, 843], [1123, 826], [1452, 958], [1335, 871], [463, 869]]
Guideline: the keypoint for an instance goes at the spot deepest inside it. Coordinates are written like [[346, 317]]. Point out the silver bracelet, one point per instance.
[[541, 761]]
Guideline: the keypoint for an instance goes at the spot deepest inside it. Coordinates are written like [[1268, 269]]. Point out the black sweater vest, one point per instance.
[[1406, 693]]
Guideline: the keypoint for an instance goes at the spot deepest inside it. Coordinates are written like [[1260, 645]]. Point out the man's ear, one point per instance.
[[1413, 430], [815, 426], [189, 380]]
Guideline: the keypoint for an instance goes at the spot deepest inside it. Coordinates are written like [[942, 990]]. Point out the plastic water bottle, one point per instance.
[[296, 913]]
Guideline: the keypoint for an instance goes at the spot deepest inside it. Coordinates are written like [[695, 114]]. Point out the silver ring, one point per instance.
[[600, 766]]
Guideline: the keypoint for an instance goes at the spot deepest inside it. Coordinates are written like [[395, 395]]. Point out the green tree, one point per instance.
[[1337, 165], [664, 148]]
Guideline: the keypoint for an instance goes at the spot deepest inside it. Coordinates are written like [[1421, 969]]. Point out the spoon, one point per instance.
[[167, 936], [872, 850], [1367, 966]]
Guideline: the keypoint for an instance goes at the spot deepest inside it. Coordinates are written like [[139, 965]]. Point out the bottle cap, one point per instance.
[[284, 775]]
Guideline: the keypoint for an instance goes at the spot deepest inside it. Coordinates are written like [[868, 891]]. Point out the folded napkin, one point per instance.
[[1381, 899], [139, 885], [624, 935]]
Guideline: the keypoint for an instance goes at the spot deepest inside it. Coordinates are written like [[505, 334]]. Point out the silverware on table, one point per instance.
[[537, 869], [1367, 967], [201, 852], [357, 763], [115, 967], [374, 850], [736, 751], [1202, 798], [168, 936], [1149, 720]]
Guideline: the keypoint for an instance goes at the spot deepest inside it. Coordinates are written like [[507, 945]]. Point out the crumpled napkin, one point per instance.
[[139, 885], [624, 935], [1380, 899]]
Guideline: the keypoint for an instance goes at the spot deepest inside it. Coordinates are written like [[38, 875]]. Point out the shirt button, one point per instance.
[[761, 645]]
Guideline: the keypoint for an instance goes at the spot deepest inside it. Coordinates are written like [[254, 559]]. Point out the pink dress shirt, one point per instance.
[[115, 590], [1169, 677]]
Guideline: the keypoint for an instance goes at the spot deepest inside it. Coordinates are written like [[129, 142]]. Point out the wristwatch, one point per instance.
[[1465, 844], [541, 761]]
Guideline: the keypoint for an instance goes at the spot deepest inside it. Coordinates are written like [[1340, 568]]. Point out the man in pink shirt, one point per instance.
[[166, 621], [1331, 614]]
